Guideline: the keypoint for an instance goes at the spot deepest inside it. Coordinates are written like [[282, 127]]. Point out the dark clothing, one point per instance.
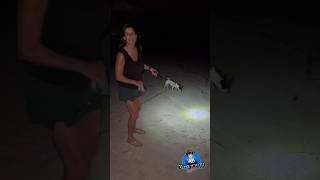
[[48, 103], [132, 70], [128, 94], [73, 28]]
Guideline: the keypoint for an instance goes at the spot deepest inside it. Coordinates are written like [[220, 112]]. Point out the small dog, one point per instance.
[[174, 85]]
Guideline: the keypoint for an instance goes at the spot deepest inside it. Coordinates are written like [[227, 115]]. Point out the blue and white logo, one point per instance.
[[191, 161]]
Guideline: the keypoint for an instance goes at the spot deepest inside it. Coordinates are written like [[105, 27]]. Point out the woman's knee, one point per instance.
[[134, 115], [138, 104]]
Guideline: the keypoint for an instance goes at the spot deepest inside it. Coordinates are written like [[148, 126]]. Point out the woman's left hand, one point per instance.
[[153, 71]]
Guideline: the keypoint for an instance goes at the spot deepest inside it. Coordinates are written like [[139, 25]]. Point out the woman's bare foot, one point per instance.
[[133, 141], [139, 131]]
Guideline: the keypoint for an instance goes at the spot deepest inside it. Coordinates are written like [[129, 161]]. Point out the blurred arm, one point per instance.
[[146, 67], [30, 19]]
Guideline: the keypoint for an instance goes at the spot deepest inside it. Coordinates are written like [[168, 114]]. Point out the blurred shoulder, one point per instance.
[[120, 55]]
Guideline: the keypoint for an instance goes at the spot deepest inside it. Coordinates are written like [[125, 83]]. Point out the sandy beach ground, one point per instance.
[[171, 131]]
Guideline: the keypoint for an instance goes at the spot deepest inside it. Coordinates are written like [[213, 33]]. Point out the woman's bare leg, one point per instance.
[[89, 133], [133, 116], [67, 142], [77, 145], [137, 105]]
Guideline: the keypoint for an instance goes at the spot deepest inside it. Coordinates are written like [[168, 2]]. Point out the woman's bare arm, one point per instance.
[[153, 71], [120, 62], [146, 67], [30, 20]]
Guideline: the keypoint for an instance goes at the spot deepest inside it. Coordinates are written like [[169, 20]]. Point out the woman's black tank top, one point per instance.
[[132, 70], [73, 28]]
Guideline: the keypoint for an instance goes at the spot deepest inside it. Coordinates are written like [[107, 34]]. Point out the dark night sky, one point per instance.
[[280, 12], [180, 28]]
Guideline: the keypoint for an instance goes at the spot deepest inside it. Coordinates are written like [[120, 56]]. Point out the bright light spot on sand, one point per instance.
[[197, 114]]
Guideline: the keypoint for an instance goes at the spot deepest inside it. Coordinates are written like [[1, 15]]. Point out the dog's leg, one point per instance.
[[168, 86], [165, 85]]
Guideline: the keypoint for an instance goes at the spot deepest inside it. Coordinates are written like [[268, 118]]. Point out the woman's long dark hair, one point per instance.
[[123, 42]]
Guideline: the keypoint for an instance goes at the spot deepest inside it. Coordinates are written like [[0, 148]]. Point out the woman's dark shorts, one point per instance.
[[126, 94], [48, 103]]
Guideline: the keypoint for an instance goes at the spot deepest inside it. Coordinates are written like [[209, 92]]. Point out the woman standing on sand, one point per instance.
[[129, 69]]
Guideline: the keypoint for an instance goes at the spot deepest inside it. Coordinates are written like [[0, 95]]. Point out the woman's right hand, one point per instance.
[[140, 86], [94, 70]]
